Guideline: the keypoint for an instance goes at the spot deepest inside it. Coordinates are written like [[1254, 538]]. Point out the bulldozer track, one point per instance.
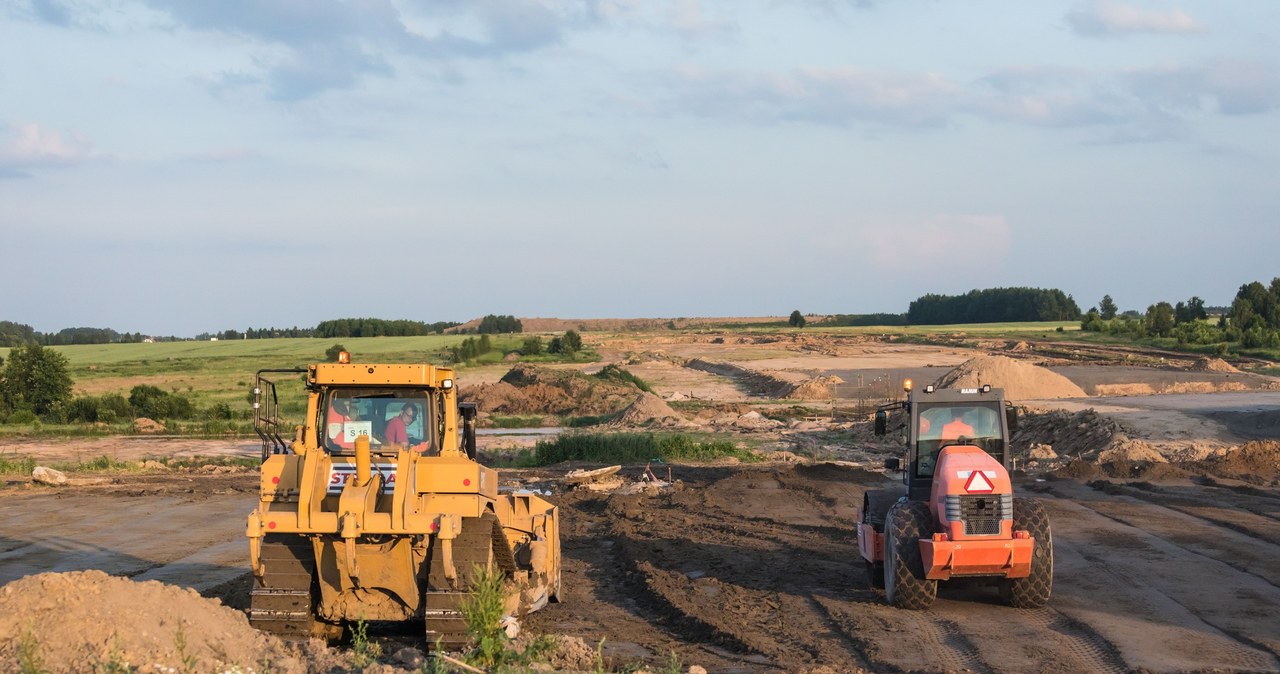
[[281, 602], [480, 544]]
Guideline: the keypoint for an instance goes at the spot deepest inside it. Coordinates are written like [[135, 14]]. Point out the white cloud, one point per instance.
[[1113, 18], [939, 241], [32, 146]]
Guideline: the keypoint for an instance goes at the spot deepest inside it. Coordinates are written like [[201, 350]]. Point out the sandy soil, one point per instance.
[[737, 568]]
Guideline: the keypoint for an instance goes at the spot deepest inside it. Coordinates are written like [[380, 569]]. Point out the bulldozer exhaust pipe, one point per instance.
[[363, 461]]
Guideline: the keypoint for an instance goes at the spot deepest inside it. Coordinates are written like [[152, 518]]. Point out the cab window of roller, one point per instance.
[[351, 413], [940, 425]]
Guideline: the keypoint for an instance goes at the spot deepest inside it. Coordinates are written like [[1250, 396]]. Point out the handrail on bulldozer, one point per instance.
[[266, 418]]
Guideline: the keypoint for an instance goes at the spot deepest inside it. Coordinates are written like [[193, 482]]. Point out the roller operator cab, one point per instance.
[[957, 516], [377, 510]]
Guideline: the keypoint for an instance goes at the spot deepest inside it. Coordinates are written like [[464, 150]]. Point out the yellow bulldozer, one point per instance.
[[376, 509]]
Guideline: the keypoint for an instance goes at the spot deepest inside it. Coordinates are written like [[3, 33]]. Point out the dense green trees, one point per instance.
[[568, 345], [994, 305], [495, 325], [34, 379], [1159, 319], [377, 327], [1252, 321], [796, 320], [1107, 308], [1254, 316], [14, 334]]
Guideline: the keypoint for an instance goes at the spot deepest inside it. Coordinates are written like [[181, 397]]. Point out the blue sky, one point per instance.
[[180, 166]]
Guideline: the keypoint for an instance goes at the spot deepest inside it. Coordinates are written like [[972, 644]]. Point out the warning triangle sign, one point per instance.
[[978, 484]]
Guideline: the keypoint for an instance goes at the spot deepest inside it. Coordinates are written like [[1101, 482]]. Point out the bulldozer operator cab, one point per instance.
[[389, 417]]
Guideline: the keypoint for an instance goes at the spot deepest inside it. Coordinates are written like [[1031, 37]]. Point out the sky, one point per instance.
[[173, 167]]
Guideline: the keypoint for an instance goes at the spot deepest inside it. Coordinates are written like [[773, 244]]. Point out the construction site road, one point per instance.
[[754, 568]]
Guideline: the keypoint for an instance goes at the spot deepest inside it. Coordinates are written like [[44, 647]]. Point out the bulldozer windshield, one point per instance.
[[949, 424], [387, 416]]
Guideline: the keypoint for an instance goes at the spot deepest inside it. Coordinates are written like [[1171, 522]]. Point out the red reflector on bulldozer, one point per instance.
[[940, 537], [1022, 534]]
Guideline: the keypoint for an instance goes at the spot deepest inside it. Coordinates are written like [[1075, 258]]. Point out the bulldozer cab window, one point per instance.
[[942, 425], [351, 413]]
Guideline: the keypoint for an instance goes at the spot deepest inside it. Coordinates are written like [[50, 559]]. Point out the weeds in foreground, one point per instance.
[[30, 661], [114, 663], [180, 642], [482, 613], [363, 651], [19, 466], [600, 658]]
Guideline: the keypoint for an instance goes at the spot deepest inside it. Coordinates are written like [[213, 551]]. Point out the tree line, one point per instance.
[[1252, 320], [994, 305]]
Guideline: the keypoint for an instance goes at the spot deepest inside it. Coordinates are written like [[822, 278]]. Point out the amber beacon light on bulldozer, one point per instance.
[[376, 509], [957, 516]]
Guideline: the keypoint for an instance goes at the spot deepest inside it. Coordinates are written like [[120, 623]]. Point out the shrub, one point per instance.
[[634, 448], [23, 416], [618, 375], [153, 403], [331, 353], [35, 377]]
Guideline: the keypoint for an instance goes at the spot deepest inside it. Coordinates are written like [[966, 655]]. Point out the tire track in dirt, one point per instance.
[[1204, 507], [1244, 553], [950, 645], [1160, 621], [759, 571], [1091, 650]]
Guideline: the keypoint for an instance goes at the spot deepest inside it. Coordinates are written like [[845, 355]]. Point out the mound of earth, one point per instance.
[[1213, 365], [650, 409], [818, 388], [90, 621], [1020, 380], [528, 389], [1130, 451], [1257, 461], [145, 425], [1078, 435]]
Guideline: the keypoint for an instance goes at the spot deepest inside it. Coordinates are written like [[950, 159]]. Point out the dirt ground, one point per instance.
[[1160, 567]]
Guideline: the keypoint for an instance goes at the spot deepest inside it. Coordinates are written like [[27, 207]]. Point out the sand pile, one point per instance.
[[1125, 450], [818, 388], [145, 425], [1213, 365], [650, 409], [89, 621], [1020, 381]]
